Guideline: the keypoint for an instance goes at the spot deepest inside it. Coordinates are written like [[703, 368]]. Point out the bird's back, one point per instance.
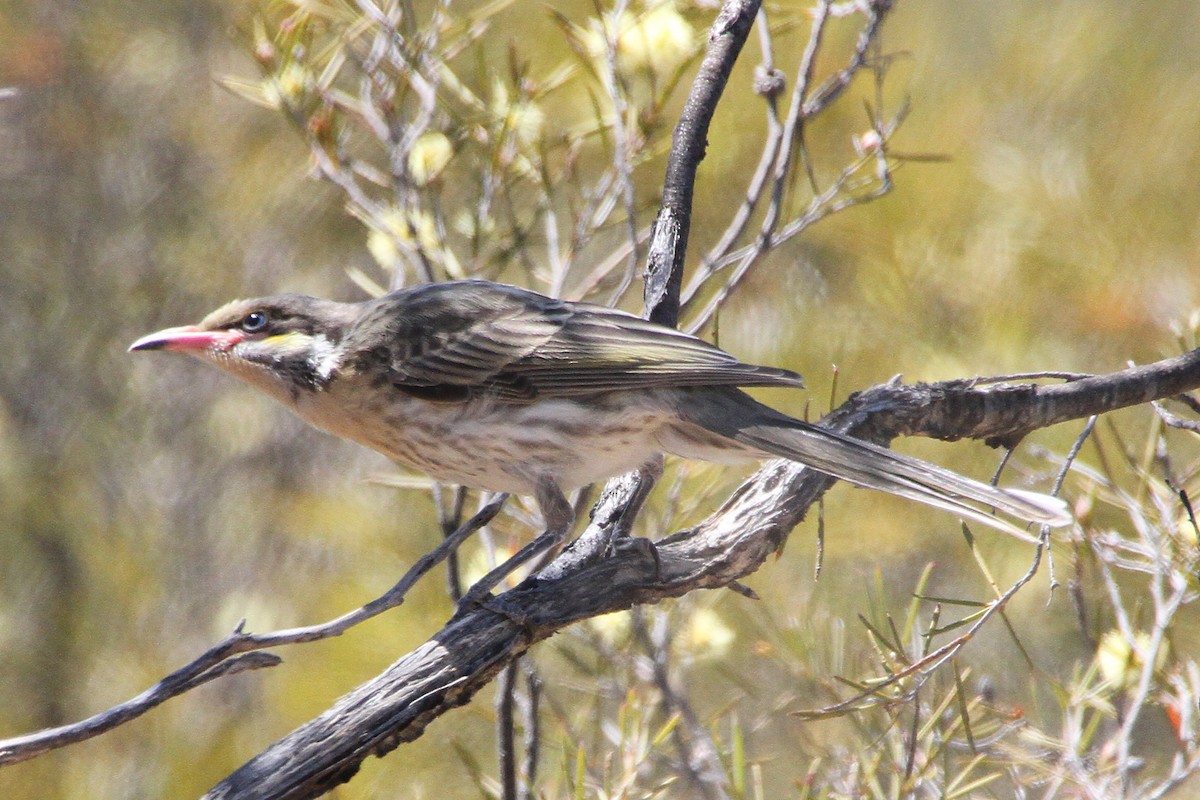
[[453, 341]]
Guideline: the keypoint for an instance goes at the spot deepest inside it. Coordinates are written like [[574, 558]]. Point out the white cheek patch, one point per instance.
[[325, 357]]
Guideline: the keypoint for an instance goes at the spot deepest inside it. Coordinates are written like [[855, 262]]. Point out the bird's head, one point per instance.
[[284, 345]]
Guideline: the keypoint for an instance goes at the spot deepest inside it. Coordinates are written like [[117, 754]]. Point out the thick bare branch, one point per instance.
[[1003, 414], [466, 654]]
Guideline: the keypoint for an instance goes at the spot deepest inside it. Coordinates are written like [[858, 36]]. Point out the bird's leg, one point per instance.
[[648, 475], [620, 537], [559, 518], [615, 513]]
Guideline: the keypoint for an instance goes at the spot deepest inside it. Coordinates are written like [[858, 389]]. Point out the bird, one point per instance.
[[500, 388]]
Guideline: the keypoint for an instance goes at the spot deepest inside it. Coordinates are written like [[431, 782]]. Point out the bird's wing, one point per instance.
[[453, 341], [601, 349]]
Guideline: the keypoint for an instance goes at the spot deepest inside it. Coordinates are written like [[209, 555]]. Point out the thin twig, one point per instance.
[[698, 753], [214, 662], [506, 739], [531, 721], [771, 81]]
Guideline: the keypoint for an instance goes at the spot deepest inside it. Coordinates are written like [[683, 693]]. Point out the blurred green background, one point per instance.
[[146, 504]]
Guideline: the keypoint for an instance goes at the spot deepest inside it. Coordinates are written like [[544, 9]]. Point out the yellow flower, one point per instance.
[[286, 86], [707, 635], [657, 41], [395, 228], [469, 225], [1120, 661], [382, 247], [526, 121], [1187, 530], [612, 628], [523, 117], [651, 46], [429, 156]]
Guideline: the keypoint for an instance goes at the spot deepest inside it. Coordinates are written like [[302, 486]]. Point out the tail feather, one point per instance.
[[874, 467]]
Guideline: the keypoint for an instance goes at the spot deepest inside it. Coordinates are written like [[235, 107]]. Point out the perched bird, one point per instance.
[[501, 388]]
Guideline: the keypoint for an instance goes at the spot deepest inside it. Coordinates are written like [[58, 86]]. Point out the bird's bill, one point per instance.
[[188, 338]]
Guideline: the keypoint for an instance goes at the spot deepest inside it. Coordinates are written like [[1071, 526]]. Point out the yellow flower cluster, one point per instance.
[[287, 86], [429, 156], [395, 227], [1121, 661], [654, 42], [524, 118]]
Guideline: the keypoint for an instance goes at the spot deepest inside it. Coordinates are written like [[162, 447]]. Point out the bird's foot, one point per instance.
[[643, 548]]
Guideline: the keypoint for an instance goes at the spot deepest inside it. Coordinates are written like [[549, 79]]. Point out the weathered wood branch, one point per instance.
[[732, 543], [1002, 414], [668, 240]]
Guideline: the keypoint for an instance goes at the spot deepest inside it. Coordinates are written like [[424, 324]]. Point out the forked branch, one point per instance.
[[473, 647]]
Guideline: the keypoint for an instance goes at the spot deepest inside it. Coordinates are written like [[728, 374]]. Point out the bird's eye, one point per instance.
[[255, 321]]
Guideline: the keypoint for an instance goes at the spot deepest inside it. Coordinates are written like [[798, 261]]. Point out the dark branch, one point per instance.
[[466, 654], [668, 241], [669, 235], [1002, 414], [237, 652], [216, 663]]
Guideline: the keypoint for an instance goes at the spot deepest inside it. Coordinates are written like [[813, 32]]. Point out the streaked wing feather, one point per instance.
[[460, 334], [477, 354], [517, 346], [602, 349]]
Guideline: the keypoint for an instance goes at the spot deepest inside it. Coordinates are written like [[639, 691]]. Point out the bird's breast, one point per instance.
[[487, 444]]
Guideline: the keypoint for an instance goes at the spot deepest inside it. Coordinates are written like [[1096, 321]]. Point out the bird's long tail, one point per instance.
[[864, 464]]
